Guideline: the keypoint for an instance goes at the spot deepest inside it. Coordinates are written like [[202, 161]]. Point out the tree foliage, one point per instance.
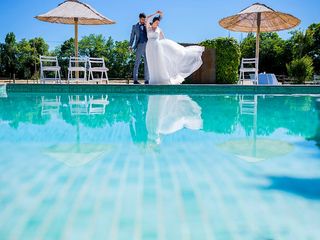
[[9, 54], [308, 43], [64, 52], [301, 70], [274, 52], [21, 58], [28, 57], [115, 53]]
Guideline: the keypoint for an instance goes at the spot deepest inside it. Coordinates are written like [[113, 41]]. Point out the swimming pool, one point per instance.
[[155, 166]]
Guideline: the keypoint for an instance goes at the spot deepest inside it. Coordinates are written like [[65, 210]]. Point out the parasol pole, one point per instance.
[[76, 23], [258, 41]]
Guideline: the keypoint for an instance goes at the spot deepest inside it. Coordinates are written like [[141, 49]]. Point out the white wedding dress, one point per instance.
[[168, 114], [168, 61]]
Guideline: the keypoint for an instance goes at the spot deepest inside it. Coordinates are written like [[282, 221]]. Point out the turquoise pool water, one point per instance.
[[140, 166]]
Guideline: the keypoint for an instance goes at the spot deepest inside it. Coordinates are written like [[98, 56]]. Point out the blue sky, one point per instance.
[[184, 20]]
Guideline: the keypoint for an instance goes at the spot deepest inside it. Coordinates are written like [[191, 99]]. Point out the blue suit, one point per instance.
[[138, 41]]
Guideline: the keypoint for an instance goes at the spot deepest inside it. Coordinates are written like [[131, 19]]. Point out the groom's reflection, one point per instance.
[[138, 128]]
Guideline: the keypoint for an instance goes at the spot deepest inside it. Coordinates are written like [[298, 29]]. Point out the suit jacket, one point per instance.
[[135, 36]]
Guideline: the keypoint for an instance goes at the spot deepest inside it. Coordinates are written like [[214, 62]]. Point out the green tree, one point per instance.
[[93, 46], [248, 46], [39, 47], [9, 55], [274, 52], [314, 53], [307, 43], [116, 54], [300, 43], [24, 59], [64, 52], [28, 57], [99, 47], [123, 60], [301, 70]]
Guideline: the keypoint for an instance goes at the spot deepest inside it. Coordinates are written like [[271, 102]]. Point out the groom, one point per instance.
[[138, 42]]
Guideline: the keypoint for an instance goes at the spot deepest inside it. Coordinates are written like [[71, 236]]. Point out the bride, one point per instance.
[[169, 62]]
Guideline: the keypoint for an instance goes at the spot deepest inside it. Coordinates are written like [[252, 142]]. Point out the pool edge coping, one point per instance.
[[162, 89]]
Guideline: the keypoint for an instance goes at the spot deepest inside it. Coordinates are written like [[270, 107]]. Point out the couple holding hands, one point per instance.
[[165, 61]]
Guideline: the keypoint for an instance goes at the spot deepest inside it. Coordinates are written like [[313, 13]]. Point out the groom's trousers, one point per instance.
[[141, 53]]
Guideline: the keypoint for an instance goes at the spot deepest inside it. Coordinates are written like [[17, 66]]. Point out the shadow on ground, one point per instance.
[[304, 187]]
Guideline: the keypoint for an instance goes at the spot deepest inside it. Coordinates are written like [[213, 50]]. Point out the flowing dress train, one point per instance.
[[168, 61]]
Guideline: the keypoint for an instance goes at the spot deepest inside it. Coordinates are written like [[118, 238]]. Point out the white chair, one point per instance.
[[77, 65], [316, 79], [98, 105], [49, 64], [249, 67], [50, 105], [97, 65]]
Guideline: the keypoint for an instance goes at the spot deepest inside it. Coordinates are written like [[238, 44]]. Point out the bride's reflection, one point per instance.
[[167, 114]]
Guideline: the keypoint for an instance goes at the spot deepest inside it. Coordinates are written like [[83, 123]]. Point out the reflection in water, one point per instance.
[[150, 117], [316, 137], [98, 105], [255, 150], [251, 148], [138, 110], [169, 114], [50, 106], [84, 105], [190, 187], [78, 105], [3, 92], [75, 155]]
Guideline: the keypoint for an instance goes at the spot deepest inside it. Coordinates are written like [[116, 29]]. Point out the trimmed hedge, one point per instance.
[[228, 58]]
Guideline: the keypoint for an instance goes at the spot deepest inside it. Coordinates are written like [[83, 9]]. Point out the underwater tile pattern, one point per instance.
[[141, 166]]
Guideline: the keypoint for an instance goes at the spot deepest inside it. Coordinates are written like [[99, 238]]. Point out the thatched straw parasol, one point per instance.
[[259, 18], [74, 12]]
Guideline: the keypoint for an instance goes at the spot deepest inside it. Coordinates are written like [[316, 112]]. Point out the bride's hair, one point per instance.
[[157, 18]]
